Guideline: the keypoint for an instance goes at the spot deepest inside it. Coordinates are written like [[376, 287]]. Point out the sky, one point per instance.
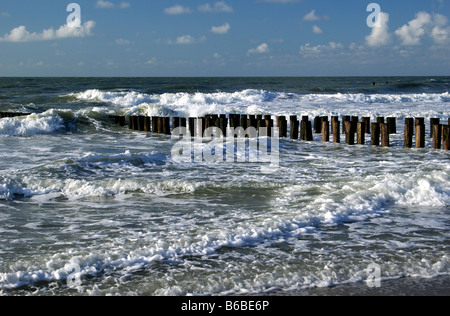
[[204, 38]]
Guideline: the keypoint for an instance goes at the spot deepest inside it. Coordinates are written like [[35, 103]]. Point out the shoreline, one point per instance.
[[406, 286]]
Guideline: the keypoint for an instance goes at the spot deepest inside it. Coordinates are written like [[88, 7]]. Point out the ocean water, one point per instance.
[[91, 208]]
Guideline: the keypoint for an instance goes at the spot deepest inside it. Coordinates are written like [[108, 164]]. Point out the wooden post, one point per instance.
[[147, 124], [252, 122], [375, 137], [437, 136], [349, 135], [336, 129], [135, 123], [261, 127], [191, 126], [409, 131], [380, 120], [345, 118], [223, 124], [166, 125], [294, 127], [361, 132], [366, 121], [269, 124], [141, 123], [392, 125], [433, 121], [317, 125], [325, 131], [244, 121], [282, 126], [384, 130], [419, 121], [446, 137], [355, 121], [420, 135], [306, 130]]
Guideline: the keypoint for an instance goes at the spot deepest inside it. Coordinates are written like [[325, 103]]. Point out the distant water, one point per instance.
[[91, 208]]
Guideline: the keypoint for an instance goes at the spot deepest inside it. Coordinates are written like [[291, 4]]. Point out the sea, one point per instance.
[[91, 208]]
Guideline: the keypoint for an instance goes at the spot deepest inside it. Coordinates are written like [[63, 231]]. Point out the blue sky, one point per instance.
[[224, 38]]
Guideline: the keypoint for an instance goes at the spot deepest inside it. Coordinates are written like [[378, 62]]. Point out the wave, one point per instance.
[[45, 123], [251, 101]]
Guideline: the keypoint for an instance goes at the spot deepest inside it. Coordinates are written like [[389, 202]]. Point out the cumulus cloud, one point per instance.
[[261, 49], [102, 4], [187, 40], [220, 6], [380, 35], [177, 9], [21, 34], [425, 24], [317, 30], [308, 50], [311, 16], [223, 29], [412, 33]]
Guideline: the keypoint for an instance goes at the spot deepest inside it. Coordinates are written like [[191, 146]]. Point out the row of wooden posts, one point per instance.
[[303, 129], [12, 114]]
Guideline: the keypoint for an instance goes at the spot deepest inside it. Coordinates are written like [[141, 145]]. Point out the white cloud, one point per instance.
[[177, 9], [380, 34], [121, 41], [261, 49], [223, 29], [412, 33], [317, 30], [21, 34], [187, 40], [425, 24], [309, 50], [220, 6], [311, 16], [104, 4]]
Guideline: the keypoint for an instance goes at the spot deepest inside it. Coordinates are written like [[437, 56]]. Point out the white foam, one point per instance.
[[46, 123]]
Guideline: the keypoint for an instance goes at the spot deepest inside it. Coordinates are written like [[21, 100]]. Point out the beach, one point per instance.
[[89, 207]]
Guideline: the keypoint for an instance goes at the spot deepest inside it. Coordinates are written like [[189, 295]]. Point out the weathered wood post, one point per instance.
[[130, 122], [141, 123], [261, 127], [420, 134], [361, 133], [325, 131], [166, 126], [366, 121], [191, 126], [392, 125], [355, 121], [317, 125], [223, 124], [375, 137], [384, 130], [349, 134], [433, 121], [135, 123], [437, 136], [336, 129], [306, 132], [345, 118], [282, 126], [269, 124], [446, 137], [147, 124], [409, 132], [294, 126]]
